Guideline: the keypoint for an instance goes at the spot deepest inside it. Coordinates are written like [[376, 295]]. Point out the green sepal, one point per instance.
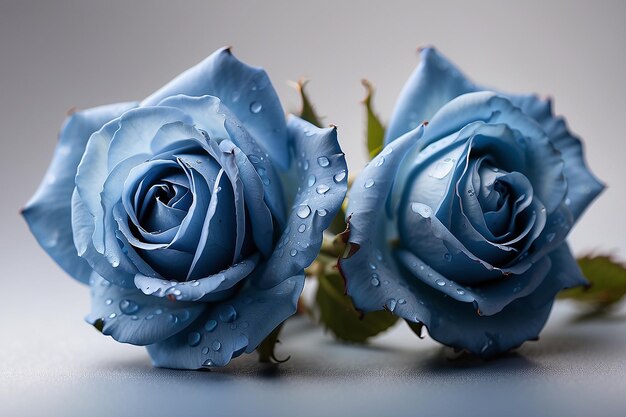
[[375, 131], [337, 313], [607, 283], [307, 111], [267, 346]]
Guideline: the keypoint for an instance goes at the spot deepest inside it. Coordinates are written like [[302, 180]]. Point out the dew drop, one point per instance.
[[112, 315], [210, 325], [205, 350], [311, 180], [322, 212], [303, 211], [305, 165], [149, 316], [128, 306], [265, 180], [193, 339], [442, 169], [115, 263], [227, 313], [194, 283], [391, 304], [323, 161], [216, 345], [440, 282], [375, 281], [208, 362], [254, 159], [255, 107], [550, 237], [322, 189], [447, 257], [293, 252], [369, 183], [339, 176], [381, 160], [460, 291], [108, 301], [401, 301], [302, 228]]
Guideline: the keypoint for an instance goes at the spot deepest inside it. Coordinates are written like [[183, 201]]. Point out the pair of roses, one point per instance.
[[193, 213]]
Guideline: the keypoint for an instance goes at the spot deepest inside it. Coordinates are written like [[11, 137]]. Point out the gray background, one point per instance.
[[56, 55]]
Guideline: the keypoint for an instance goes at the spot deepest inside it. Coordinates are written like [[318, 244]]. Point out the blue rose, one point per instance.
[[459, 224], [191, 214]]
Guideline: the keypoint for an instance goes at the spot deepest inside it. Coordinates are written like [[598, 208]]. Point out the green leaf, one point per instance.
[[267, 346], [375, 130], [607, 280], [307, 111], [338, 314]]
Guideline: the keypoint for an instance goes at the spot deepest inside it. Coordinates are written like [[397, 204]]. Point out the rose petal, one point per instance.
[[53, 197]]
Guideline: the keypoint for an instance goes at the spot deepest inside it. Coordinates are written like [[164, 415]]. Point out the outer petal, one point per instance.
[[202, 289], [584, 187], [53, 198], [129, 316], [228, 329], [488, 299], [246, 90], [322, 187], [433, 83], [370, 270]]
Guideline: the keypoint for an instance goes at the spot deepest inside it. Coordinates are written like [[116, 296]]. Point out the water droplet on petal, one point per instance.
[[205, 350], [129, 307], [375, 281], [460, 291], [112, 315], [401, 301], [115, 263], [227, 313], [208, 362], [339, 176], [323, 161], [322, 212], [550, 237], [255, 107], [322, 189], [381, 160], [254, 159], [216, 345], [210, 325], [303, 211], [311, 180], [305, 165], [369, 183], [442, 169], [194, 283], [391, 304], [440, 282], [108, 301], [447, 257], [302, 228], [293, 252], [194, 338]]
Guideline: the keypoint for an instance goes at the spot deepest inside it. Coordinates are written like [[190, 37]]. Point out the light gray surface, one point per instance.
[[55, 55]]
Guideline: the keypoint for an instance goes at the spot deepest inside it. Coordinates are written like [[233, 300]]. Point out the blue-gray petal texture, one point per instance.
[[246, 90], [320, 171], [230, 328], [53, 198]]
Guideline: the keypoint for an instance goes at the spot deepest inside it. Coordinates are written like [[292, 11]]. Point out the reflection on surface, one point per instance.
[[396, 374]]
